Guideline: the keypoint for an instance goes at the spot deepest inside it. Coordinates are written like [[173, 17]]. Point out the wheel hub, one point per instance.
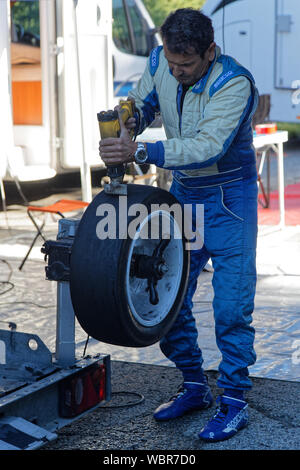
[[152, 268]]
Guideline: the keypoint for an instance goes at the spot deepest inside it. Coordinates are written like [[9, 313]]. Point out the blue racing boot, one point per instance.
[[231, 416], [190, 396]]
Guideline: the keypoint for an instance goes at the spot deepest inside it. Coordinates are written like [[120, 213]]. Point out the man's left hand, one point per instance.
[[117, 150]]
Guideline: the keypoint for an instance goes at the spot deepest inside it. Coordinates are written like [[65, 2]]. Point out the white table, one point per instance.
[[274, 141], [260, 141]]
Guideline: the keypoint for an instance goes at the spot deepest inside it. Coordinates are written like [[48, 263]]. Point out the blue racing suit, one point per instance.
[[209, 148]]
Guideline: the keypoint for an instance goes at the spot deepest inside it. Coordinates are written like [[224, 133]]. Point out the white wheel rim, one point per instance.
[[138, 299]]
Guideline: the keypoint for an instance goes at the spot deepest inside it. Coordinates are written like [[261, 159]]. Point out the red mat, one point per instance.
[[270, 216]]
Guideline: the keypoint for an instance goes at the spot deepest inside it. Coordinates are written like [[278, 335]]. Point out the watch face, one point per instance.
[[141, 155]]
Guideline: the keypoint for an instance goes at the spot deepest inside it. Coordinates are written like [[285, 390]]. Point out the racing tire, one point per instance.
[[111, 304]]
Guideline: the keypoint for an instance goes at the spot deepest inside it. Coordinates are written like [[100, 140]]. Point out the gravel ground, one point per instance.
[[274, 422]]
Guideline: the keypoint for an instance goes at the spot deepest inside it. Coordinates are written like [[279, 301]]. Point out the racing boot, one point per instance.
[[230, 417], [190, 396]]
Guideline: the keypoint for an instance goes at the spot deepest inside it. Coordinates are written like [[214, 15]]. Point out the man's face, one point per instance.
[[188, 68]]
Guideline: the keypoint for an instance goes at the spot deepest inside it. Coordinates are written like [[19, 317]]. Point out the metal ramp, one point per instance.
[[24, 360], [19, 434], [39, 396]]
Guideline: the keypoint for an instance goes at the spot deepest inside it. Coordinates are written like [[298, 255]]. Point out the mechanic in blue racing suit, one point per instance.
[[206, 101]]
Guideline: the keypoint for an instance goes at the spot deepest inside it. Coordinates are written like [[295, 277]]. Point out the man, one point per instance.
[[206, 101]]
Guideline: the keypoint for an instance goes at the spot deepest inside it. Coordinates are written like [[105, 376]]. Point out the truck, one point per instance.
[[263, 37], [63, 61]]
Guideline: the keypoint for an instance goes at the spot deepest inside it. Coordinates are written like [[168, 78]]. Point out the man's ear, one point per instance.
[[211, 51]]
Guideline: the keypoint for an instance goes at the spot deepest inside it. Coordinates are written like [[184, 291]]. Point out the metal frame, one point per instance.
[[30, 375]]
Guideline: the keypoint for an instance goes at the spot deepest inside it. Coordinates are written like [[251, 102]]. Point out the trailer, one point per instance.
[[42, 391], [263, 36], [62, 62]]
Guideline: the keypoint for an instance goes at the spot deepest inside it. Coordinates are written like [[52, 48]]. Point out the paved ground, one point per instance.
[[274, 411], [273, 402]]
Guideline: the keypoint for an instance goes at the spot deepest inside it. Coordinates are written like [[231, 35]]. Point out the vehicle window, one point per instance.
[[26, 22], [26, 63], [139, 27], [121, 34]]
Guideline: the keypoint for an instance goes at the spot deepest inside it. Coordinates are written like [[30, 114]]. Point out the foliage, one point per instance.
[[159, 10], [26, 14], [293, 129]]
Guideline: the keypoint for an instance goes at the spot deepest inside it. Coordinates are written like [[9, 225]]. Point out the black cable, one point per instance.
[[133, 403], [27, 302], [11, 285], [9, 289], [9, 266]]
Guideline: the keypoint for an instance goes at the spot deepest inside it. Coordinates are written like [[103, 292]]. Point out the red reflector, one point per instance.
[[82, 391]]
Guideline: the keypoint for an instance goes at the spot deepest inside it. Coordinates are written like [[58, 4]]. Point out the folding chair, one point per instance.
[[59, 208]]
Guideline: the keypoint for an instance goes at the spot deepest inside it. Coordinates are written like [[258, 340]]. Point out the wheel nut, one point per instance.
[[163, 268]]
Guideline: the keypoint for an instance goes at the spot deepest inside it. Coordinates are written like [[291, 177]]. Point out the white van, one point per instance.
[[134, 36], [263, 36], [60, 61]]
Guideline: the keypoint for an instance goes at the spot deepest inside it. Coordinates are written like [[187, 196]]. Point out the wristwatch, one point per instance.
[[140, 155]]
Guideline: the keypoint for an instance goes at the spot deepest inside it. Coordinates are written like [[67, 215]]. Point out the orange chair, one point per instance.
[[59, 208]]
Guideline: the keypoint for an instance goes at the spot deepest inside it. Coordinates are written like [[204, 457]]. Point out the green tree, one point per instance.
[[159, 10], [26, 14]]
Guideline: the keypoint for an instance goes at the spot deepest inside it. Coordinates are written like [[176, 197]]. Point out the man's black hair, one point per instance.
[[187, 28]]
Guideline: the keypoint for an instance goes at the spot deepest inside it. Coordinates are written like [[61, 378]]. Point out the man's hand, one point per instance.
[[117, 150], [130, 124]]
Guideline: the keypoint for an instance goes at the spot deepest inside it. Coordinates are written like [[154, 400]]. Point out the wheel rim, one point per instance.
[[144, 312]]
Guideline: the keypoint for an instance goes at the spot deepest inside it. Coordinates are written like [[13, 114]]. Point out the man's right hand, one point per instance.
[[130, 123]]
